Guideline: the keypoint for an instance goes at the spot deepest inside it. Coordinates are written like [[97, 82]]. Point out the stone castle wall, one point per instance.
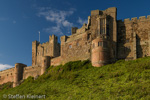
[[33, 71], [102, 40], [76, 47], [7, 76], [50, 48], [134, 38]]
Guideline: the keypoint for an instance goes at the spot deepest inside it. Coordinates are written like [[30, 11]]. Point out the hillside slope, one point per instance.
[[128, 80]]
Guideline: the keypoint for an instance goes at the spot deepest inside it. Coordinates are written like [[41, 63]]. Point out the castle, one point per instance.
[[103, 40]]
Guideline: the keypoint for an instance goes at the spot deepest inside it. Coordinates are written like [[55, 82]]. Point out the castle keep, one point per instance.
[[103, 40]]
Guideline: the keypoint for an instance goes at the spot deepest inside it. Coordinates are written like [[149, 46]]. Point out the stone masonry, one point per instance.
[[103, 40]]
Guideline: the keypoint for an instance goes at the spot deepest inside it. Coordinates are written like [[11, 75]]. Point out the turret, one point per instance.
[[55, 46], [18, 73], [100, 54], [34, 52], [63, 41], [104, 22], [45, 63]]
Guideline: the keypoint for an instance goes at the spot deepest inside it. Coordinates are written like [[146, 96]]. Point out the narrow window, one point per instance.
[[99, 43], [104, 44], [102, 27], [88, 36], [108, 30], [77, 44], [88, 50]]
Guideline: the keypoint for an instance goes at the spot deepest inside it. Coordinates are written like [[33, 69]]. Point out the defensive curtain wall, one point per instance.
[[103, 40]]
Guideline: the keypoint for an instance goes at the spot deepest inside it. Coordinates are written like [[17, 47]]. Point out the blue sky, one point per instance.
[[20, 21]]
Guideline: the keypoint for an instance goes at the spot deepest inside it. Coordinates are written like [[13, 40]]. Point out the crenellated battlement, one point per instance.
[[140, 19]]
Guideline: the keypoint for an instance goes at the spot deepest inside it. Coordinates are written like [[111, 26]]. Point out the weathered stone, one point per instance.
[[102, 40]]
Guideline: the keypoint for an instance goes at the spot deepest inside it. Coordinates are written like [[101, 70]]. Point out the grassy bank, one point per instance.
[[128, 80]]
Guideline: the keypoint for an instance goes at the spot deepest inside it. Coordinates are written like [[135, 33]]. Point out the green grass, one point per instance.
[[123, 80]]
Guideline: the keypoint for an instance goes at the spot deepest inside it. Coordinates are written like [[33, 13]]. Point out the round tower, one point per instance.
[[100, 54], [45, 63], [18, 73]]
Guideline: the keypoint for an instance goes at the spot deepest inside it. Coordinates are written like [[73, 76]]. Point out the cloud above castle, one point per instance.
[[5, 66], [58, 17]]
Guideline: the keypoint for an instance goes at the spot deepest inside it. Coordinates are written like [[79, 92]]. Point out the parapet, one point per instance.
[[20, 65], [148, 17], [111, 9], [73, 30], [35, 42], [127, 20], [142, 18], [53, 37], [95, 12], [64, 38], [135, 19], [82, 29], [99, 12]]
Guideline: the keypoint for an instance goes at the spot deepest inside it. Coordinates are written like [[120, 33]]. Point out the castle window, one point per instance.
[[77, 44], [104, 44], [107, 30], [70, 46], [88, 50], [102, 27], [99, 43], [88, 36]]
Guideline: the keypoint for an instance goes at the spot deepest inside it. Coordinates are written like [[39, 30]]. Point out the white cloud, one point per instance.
[[5, 66], [54, 29], [82, 21], [67, 24], [58, 17]]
